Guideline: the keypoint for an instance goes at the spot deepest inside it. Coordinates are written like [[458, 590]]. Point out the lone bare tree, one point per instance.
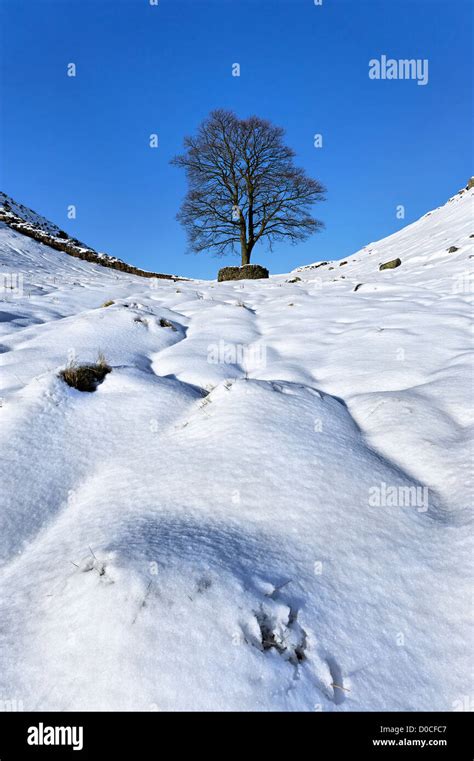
[[244, 187]]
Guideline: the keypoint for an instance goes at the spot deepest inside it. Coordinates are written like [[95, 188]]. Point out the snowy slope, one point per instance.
[[263, 506], [423, 248], [28, 223], [17, 211]]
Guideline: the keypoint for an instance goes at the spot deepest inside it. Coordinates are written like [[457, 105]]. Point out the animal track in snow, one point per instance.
[[275, 626], [280, 630]]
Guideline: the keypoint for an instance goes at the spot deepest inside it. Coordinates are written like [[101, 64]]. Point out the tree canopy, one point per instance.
[[243, 187]]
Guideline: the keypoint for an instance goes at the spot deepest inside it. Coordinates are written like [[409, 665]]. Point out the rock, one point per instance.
[[452, 249], [294, 280], [391, 264], [247, 272], [470, 183]]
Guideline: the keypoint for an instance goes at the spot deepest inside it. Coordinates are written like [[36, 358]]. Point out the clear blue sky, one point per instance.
[[145, 69]]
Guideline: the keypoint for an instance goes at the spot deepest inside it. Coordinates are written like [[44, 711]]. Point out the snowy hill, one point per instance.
[[264, 506], [27, 222], [423, 248]]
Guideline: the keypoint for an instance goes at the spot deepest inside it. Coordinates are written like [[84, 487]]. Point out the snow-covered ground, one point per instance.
[[264, 506]]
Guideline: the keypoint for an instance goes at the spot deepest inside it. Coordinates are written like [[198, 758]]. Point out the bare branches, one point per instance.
[[244, 187]]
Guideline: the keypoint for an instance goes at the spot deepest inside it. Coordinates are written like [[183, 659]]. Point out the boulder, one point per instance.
[[391, 264]]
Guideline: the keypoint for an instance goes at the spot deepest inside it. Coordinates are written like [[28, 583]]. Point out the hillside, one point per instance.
[[27, 222], [433, 249], [265, 504]]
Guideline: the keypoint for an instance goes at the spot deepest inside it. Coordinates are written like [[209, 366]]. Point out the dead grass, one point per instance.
[[166, 324], [86, 377]]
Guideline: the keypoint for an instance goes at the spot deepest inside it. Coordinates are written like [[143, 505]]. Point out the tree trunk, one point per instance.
[[245, 252], [244, 247]]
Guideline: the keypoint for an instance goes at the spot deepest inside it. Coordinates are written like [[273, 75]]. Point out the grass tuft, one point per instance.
[[86, 377], [166, 324]]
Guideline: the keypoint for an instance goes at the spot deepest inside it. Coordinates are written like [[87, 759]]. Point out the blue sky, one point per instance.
[[144, 69]]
